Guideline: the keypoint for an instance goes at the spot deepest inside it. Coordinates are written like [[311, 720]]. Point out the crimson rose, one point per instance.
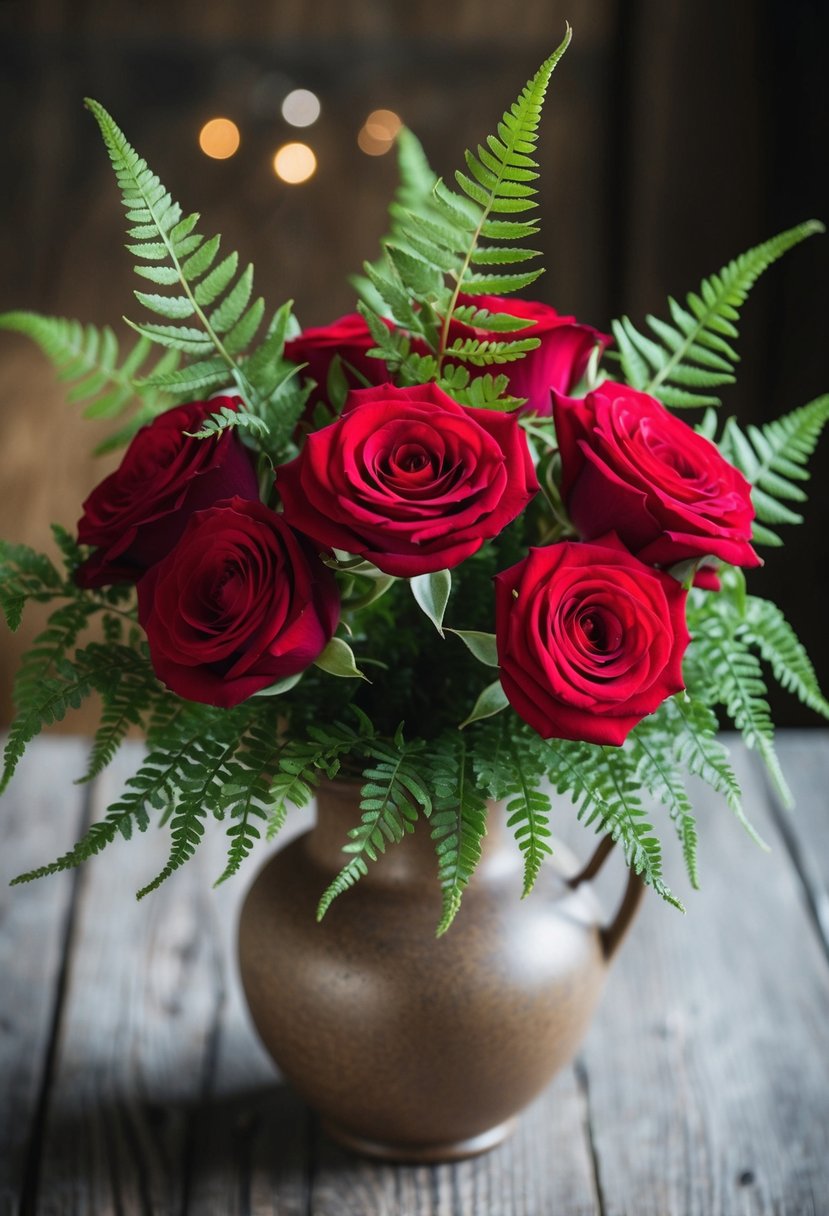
[[590, 640], [409, 479], [557, 364], [137, 514], [239, 603], [350, 338], [630, 465]]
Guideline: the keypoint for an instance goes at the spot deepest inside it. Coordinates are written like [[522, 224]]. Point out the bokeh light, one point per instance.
[[219, 138], [301, 108], [379, 132], [294, 163]]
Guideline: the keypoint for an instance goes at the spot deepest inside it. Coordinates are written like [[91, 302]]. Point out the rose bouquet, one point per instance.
[[455, 545]]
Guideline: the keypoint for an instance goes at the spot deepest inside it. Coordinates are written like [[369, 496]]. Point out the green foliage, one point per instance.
[[772, 458], [732, 676], [209, 316], [436, 241], [651, 750], [458, 823], [89, 359], [685, 359], [765, 628], [392, 797], [25, 575]]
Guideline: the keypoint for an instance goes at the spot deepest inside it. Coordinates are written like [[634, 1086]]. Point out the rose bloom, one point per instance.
[[558, 364], [350, 338], [630, 465], [241, 602], [137, 514], [409, 479], [590, 640]]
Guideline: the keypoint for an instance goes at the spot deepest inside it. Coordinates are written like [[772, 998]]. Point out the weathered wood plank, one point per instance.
[[544, 1168], [141, 1035], [708, 1066], [40, 817], [805, 759]]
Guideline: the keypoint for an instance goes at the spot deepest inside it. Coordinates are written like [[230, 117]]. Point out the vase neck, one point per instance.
[[413, 858]]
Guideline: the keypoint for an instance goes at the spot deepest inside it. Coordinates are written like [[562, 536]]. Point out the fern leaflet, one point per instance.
[[685, 359], [458, 825]]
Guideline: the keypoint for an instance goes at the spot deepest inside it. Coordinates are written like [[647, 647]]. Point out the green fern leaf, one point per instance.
[[25, 575], [772, 458], [162, 235], [458, 825], [651, 746], [528, 815], [734, 675], [88, 359], [766, 629], [694, 352], [392, 798]]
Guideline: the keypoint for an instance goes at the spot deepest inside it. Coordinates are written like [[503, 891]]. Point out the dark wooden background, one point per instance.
[[678, 132]]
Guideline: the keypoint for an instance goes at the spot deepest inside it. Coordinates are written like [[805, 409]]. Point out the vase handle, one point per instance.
[[611, 935]]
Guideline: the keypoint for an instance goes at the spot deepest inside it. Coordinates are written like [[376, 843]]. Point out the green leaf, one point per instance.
[[773, 460], [338, 660], [482, 645], [431, 591], [90, 360], [491, 701], [692, 354]]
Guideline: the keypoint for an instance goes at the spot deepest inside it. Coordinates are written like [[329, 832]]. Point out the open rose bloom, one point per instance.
[[458, 543]]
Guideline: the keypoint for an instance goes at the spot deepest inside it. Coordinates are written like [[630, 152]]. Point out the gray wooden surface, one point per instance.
[[131, 1081]]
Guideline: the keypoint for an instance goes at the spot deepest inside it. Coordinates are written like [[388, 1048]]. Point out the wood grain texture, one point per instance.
[[703, 1086], [708, 1066], [41, 814]]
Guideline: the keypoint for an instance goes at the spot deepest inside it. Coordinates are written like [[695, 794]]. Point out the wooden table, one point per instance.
[[131, 1081]]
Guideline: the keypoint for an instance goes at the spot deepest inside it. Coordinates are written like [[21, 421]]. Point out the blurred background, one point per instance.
[[677, 133]]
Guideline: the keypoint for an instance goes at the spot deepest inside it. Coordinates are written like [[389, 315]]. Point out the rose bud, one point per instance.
[[630, 465], [409, 479], [241, 602], [558, 364], [350, 338], [137, 514], [589, 639]]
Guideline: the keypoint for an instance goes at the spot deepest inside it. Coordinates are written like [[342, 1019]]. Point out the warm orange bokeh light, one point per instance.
[[294, 163], [378, 132], [219, 138]]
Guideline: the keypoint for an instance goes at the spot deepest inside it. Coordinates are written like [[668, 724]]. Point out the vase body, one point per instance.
[[411, 1047]]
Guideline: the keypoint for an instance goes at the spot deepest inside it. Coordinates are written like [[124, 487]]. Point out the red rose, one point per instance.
[[137, 514], [239, 603], [557, 364], [630, 465], [409, 479], [350, 338], [590, 640]]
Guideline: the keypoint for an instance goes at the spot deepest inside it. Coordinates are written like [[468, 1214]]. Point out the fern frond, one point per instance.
[[436, 237], [226, 419], [57, 695], [204, 290], [772, 458], [90, 360], [528, 810], [766, 629], [692, 354], [458, 824], [736, 680], [392, 798], [651, 747], [698, 750], [25, 575], [128, 694]]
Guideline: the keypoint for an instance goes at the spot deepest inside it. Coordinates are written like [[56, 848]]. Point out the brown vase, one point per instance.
[[413, 1048]]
